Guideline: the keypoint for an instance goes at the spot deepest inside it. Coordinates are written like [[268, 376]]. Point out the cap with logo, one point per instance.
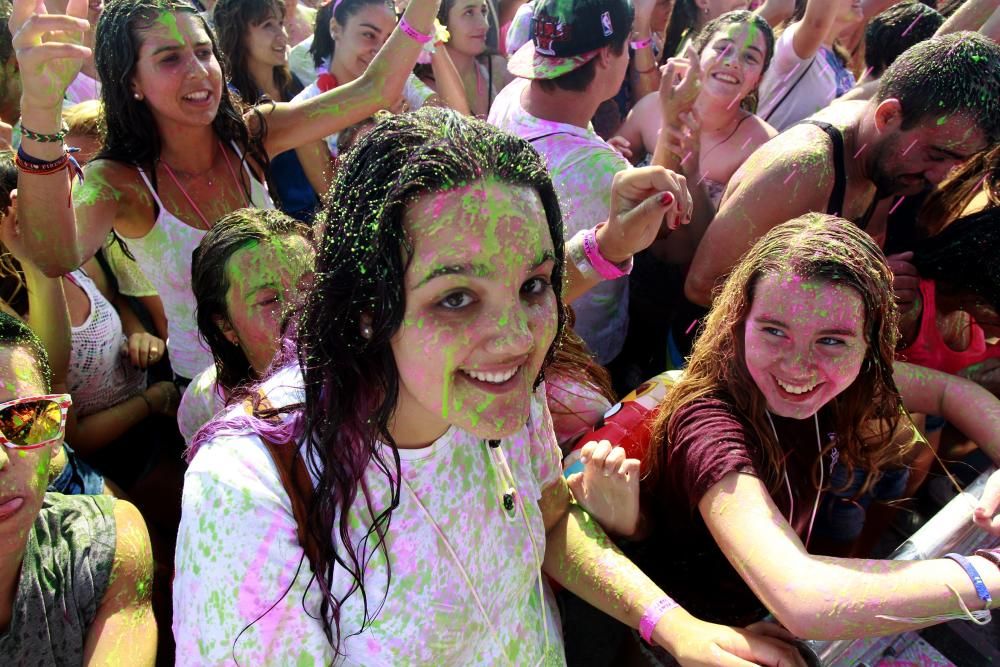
[[567, 34]]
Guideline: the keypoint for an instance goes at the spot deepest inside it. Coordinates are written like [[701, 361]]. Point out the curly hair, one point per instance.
[[818, 247]]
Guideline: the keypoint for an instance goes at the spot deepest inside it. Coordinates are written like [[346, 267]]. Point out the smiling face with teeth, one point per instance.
[[177, 73], [733, 63], [480, 311], [803, 342]]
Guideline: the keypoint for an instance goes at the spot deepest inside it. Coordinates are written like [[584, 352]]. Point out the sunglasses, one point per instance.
[[30, 423]]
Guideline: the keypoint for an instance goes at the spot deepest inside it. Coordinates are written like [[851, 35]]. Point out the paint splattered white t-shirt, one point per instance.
[[582, 166], [237, 552]]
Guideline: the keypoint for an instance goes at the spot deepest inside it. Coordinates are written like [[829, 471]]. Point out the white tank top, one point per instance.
[[100, 374], [165, 257]]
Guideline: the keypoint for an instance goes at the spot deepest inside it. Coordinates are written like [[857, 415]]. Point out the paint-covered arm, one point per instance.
[[639, 210], [124, 630], [750, 209], [292, 124], [579, 555], [811, 31], [970, 16], [49, 56], [818, 597], [970, 408]]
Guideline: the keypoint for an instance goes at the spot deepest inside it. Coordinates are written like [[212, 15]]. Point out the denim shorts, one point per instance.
[[77, 478], [842, 511]]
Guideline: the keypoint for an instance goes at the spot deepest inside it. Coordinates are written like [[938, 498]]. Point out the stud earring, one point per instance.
[[137, 96], [366, 331]]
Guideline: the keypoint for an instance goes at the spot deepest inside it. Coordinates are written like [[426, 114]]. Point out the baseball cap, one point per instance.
[[567, 34]]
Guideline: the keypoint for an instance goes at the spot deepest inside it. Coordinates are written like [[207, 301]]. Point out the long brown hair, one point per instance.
[[949, 200], [866, 414]]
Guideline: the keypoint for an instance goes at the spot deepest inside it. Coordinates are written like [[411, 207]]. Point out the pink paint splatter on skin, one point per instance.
[[896, 205], [860, 150], [789, 177], [909, 147]]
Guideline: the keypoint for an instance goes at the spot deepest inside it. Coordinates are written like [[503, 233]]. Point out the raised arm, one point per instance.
[[970, 16], [124, 630], [776, 11], [49, 54], [818, 597], [812, 30], [292, 124]]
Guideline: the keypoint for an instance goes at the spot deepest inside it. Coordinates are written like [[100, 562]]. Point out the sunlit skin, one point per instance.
[[266, 280], [479, 300], [731, 63], [177, 74], [710, 9], [803, 334], [359, 39], [267, 42], [468, 23], [24, 473]]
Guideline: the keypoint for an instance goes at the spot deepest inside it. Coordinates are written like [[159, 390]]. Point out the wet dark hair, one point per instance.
[[210, 281], [352, 383], [16, 334], [581, 77], [131, 136], [895, 30], [232, 18], [13, 290], [958, 73], [6, 45], [739, 17], [683, 18], [323, 45]]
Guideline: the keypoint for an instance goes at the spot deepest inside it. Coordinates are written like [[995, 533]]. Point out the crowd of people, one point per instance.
[[310, 312]]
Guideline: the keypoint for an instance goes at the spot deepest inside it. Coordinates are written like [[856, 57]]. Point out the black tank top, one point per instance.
[[835, 205]]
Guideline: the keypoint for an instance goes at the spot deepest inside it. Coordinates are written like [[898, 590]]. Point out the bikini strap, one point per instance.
[[152, 190]]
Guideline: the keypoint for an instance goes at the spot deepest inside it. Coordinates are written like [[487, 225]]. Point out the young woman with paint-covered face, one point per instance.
[[481, 73], [178, 153], [348, 35], [789, 409], [75, 571], [418, 406], [714, 137], [248, 274], [254, 40]]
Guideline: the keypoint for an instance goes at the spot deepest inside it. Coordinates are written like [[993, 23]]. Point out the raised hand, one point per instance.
[[680, 85], [608, 487], [684, 141], [49, 50], [643, 200]]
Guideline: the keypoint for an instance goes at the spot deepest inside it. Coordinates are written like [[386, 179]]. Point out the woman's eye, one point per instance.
[[774, 331], [536, 286], [205, 54], [831, 342], [456, 300]]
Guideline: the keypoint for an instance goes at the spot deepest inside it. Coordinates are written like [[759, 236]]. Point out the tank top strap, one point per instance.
[[259, 194], [835, 205], [152, 190]]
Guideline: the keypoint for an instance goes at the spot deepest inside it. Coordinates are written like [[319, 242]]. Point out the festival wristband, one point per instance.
[[45, 138], [992, 555], [412, 32], [604, 268], [640, 44], [577, 255], [652, 616], [982, 592]]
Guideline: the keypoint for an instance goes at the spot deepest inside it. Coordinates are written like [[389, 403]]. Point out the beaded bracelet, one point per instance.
[[45, 138], [652, 616], [604, 268], [412, 32], [982, 592]]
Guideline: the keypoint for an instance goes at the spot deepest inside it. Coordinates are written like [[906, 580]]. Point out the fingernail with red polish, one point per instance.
[[666, 199]]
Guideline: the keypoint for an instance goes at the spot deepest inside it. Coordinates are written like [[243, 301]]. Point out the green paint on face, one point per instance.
[[169, 21], [942, 120]]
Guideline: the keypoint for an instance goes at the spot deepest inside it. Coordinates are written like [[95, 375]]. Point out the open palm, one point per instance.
[[49, 49]]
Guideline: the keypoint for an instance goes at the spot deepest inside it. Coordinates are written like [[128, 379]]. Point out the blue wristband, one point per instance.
[[981, 591]]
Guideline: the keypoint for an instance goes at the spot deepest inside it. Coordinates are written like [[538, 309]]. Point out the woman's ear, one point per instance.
[[335, 28], [226, 327], [12, 211]]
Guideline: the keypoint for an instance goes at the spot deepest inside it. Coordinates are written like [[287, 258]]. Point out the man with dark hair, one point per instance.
[[895, 30], [937, 105], [576, 59], [75, 571]]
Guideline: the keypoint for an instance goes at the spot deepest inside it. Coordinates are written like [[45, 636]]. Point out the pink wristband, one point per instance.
[[604, 268], [640, 44], [412, 32], [652, 616]]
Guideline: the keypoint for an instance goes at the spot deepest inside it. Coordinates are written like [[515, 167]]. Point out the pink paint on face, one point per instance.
[[266, 280], [480, 312], [803, 342], [732, 63]]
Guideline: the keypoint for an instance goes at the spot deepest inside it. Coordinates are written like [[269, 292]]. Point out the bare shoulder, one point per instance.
[[115, 189], [798, 161], [132, 571]]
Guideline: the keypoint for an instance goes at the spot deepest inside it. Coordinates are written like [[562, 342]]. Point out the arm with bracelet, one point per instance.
[[644, 68]]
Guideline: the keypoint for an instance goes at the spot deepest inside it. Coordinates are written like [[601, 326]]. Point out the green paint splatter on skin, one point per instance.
[[169, 21]]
